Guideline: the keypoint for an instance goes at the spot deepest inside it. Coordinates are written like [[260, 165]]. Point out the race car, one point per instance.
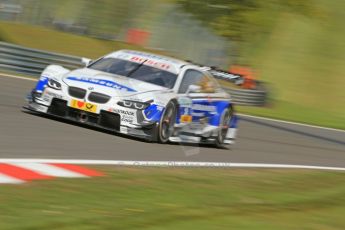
[[140, 94]]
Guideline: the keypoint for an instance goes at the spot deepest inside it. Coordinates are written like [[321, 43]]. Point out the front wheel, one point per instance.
[[223, 127], [167, 122]]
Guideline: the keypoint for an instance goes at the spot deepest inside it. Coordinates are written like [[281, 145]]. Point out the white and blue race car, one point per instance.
[[139, 94]]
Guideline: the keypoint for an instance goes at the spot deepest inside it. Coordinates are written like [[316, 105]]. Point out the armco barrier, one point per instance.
[[32, 61], [28, 61], [253, 97]]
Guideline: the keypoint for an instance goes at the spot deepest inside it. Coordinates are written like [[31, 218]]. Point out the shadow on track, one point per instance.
[[77, 124]]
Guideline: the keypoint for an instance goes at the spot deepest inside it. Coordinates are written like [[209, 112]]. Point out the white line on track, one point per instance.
[[48, 170], [31, 162], [17, 77], [291, 123], [244, 115]]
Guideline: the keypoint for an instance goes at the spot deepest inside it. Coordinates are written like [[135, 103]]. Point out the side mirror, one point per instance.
[[193, 89], [86, 61]]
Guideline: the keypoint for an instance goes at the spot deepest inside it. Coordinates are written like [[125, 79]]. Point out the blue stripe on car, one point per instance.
[[41, 84], [210, 109], [153, 112], [233, 122], [106, 83]]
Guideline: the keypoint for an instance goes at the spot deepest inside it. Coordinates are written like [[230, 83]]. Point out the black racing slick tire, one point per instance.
[[166, 125], [223, 127]]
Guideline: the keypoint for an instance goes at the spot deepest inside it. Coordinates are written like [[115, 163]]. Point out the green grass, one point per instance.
[[303, 59], [161, 198], [295, 112], [56, 41]]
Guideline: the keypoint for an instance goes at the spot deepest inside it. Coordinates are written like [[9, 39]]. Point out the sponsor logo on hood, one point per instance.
[[106, 83]]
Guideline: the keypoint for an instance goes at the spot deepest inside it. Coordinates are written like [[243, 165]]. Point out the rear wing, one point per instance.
[[227, 76], [222, 74]]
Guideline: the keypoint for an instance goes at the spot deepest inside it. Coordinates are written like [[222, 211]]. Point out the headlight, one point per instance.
[[54, 84], [134, 104]]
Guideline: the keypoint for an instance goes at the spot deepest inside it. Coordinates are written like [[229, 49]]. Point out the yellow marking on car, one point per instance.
[[186, 118], [85, 106]]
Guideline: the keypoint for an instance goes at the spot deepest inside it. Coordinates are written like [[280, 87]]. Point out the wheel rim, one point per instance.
[[168, 123], [224, 126]]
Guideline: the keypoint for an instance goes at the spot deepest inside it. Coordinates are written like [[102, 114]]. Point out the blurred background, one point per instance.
[[296, 47]]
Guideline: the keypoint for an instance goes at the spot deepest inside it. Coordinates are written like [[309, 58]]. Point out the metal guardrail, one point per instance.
[[251, 97], [32, 62], [254, 97]]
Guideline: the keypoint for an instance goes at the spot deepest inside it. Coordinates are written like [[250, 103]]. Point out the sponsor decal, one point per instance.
[[85, 106], [150, 62], [138, 59], [207, 108], [200, 114], [106, 83], [89, 106], [126, 119], [185, 101], [124, 112], [186, 118], [150, 56], [126, 115], [185, 110]]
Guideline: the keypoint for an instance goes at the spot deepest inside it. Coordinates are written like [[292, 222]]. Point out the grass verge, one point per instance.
[[162, 198], [51, 40], [303, 59], [294, 112]]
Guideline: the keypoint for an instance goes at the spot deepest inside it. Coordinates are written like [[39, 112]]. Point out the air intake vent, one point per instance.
[[98, 97], [77, 92]]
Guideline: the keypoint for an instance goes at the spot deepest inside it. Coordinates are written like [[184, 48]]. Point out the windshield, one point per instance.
[[135, 70]]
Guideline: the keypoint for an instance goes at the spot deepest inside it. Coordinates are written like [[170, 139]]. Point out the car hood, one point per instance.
[[113, 85]]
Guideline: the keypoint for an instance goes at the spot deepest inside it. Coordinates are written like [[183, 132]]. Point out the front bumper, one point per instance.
[[53, 104], [105, 120]]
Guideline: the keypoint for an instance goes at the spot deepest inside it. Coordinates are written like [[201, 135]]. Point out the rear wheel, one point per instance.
[[223, 127], [167, 122]]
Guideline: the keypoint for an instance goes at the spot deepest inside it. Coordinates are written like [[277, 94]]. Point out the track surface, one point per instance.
[[23, 135]]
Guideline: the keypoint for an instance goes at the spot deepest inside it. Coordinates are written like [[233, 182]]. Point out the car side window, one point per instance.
[[194, 77], [191, 77]]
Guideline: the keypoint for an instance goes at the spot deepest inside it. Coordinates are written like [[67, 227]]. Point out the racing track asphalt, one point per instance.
[[24, 135]]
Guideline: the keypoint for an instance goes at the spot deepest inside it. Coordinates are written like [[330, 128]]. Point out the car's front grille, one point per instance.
[[98, 97], [105, 119], [76, 92]]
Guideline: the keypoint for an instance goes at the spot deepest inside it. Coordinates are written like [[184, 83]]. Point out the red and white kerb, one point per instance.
[[16, 173]]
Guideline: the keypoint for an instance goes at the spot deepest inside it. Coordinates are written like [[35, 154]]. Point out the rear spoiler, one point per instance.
[[227, 76], [222, 74]]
